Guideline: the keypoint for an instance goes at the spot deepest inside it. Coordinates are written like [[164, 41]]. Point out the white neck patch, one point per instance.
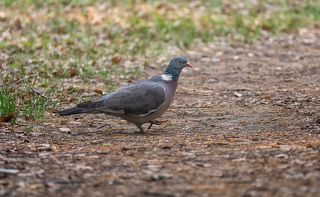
[[166, 77]]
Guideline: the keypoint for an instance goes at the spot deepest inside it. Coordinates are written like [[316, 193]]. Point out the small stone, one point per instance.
[[282, 156], [64, 129]]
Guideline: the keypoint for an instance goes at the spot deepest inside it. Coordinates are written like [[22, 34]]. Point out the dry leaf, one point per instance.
[[72, 99], [72, 72], [54, 148], [98, 91], [116, 59], [7, 117]]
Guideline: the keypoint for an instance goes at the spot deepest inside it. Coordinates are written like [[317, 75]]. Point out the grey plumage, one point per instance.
[[136, 100], [138, 103]]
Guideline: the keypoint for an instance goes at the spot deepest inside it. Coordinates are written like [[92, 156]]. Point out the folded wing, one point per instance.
[[138, 99]]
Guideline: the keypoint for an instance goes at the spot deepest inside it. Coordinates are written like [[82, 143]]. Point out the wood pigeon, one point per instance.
[[140, 102]]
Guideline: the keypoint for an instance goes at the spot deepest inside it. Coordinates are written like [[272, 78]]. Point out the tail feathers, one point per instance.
[[86, 104], [74, 110]]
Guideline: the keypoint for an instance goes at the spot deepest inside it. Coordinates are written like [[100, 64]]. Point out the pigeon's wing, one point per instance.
[[139, 99]]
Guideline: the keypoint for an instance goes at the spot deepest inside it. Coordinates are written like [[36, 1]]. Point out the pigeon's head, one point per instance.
[[178, 63], [175, 67]]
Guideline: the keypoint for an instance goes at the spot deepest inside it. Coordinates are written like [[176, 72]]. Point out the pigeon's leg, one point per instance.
[[149, 126], [140, 128], [152, 122]]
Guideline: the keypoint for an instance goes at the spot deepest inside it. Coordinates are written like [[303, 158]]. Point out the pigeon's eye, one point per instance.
[[179, 62]]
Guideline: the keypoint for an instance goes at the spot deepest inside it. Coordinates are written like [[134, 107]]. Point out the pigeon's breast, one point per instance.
[[170, 89]]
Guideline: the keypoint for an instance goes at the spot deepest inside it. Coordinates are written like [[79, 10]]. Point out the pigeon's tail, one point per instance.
[[74, 110], [81, 108]]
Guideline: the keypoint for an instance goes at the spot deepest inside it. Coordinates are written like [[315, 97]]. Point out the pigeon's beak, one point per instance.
[[188, 64]]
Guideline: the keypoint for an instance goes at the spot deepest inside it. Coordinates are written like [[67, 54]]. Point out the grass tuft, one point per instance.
[[7, 105]]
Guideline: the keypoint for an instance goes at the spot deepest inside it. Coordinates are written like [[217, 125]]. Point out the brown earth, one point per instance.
[[245, 122]]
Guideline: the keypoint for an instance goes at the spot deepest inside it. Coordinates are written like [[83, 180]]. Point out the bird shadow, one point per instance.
[[156, 131], [136, 133], [125, 131]]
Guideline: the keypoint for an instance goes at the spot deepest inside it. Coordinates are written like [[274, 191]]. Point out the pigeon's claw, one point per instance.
[[140, 128]]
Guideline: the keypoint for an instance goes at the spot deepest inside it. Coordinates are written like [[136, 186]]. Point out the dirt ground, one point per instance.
[[245, 122]]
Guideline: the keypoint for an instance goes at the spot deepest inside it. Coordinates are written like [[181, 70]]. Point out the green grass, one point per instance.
[[35, 103], [34, 108], [7, 103], [72, 42]]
